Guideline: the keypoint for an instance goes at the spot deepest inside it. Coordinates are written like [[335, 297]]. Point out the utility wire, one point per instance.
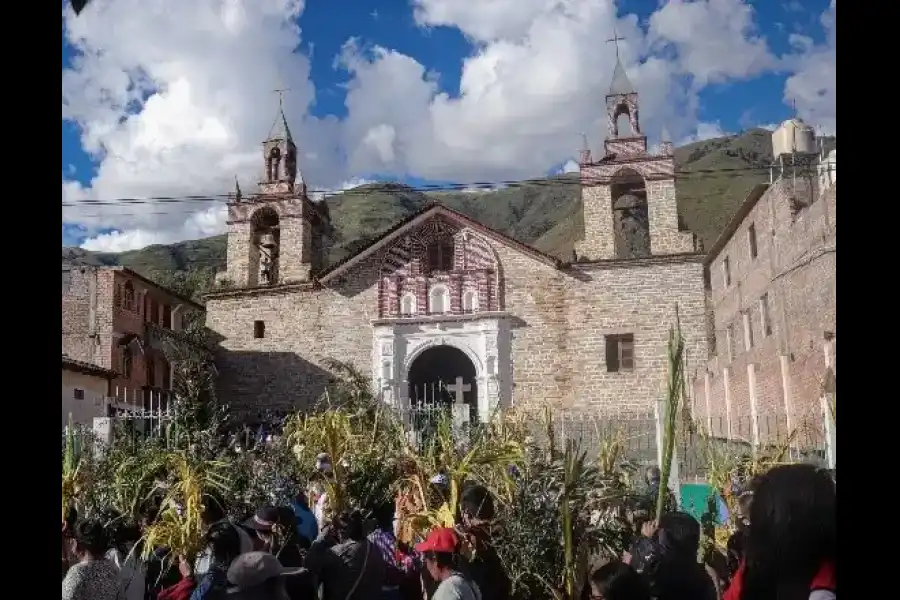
[[552, 181]]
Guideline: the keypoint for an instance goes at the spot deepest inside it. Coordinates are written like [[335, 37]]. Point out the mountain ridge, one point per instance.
[[714, 178]]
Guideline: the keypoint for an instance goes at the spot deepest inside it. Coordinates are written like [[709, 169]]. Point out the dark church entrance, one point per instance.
[[443, 376]]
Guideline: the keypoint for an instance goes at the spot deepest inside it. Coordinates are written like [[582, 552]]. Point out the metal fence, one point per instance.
[[696, 444], [82, 437], [697, 441], [636, 433], [766, 436]]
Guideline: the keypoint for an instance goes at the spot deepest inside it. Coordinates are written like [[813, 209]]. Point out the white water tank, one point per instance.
[[793, 136]]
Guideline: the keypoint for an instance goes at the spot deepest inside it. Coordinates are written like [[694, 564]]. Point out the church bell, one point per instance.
[[267, 240]]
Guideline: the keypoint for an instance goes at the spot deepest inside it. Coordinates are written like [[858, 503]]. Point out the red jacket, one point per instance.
[[180, 591], [825, 579]]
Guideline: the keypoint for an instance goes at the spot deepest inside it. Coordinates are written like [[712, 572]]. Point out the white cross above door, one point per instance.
[[458, 389]]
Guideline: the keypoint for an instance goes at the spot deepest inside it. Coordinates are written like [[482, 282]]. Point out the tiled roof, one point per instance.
[[79, 366]]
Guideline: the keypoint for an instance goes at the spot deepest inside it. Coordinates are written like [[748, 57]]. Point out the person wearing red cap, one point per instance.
[[439, 555]]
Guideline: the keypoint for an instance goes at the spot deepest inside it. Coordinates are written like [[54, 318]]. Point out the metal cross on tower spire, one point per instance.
[[615, 39], [280, 93], [280, 127]]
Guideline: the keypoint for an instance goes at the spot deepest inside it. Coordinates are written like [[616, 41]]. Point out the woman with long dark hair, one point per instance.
[[92, 577], [791, 540]]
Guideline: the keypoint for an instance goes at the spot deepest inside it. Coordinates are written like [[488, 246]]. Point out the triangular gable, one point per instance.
[[418, 218]]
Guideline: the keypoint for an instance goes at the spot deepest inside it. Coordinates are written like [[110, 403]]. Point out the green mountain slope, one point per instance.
[[714, 178]]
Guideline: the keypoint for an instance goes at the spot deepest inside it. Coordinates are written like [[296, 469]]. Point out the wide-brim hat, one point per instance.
[[264, 520], [253, 569]]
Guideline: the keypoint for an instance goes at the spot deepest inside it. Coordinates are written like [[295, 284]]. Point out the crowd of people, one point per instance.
[[783, 548]]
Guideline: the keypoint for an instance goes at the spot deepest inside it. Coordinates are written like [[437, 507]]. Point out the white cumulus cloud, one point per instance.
[[173, 97], [813, 83]]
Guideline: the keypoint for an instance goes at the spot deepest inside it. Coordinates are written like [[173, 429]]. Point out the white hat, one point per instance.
[[439, 479]]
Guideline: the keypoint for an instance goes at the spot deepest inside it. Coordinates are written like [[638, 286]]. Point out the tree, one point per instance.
[[198, 415]]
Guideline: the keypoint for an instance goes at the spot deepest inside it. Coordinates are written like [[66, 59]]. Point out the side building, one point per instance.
[[771, 301], [85, 390], [109, 315]]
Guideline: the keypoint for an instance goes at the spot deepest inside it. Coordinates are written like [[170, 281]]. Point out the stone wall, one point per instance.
[[558, 318], [559, 354], [304, 328], [778, 372]]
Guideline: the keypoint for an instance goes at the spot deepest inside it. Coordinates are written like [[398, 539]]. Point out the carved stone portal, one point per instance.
[[492, 384]]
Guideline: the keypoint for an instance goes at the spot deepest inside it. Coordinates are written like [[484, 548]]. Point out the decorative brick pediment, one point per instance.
[[438, 256]]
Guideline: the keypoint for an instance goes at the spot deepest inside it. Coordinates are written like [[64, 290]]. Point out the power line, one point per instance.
[[386, 186]]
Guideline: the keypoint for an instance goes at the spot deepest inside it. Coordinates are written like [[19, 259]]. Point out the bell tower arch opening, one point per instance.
[[631, 218], [273, 164], [265, 249]]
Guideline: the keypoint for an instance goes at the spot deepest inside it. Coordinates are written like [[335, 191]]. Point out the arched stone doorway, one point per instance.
[[443, 375], [409, 354]]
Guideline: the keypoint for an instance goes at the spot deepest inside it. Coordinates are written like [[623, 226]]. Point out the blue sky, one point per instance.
[[734, 103]]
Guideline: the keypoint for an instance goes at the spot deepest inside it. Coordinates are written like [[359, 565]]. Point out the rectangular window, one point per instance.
[[167, 316], [619, 353], [440, 256], [764, 315], [78, 394], [729, 342], [751, 237], [259, 329], [726, 271], [748, 330]]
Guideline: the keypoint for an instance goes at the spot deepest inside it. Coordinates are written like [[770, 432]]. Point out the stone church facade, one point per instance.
[[442, 298]]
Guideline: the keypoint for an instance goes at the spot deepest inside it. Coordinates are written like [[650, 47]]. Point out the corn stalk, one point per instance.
[[674, 394], [179, 527], [486, 460], [71, 468], [573, 467]]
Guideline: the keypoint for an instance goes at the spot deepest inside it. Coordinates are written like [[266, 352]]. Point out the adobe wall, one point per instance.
[[795, 270]]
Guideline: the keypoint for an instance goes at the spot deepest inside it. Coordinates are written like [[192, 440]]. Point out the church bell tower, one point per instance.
[[628, 195], [275, 235], [280, 158]]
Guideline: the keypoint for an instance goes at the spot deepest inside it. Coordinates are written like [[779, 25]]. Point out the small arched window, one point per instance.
[[117, 296], [438, 300], [470, 301], [128, 296], [127, 362], [408, 304]]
